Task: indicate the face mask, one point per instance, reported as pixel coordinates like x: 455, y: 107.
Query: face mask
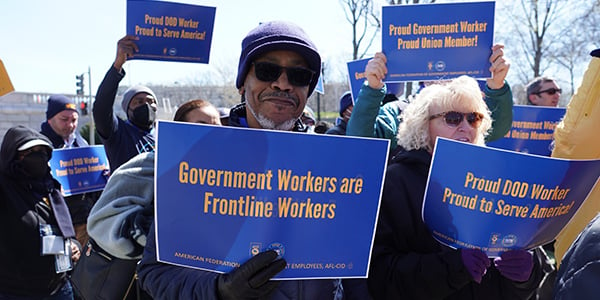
x: 35, y: 164
x: 143, y: 116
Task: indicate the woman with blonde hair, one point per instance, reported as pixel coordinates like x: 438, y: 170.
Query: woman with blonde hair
x: 407, y: 262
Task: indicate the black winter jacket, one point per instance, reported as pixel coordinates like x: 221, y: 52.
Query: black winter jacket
x: 122, y: 140
x: 23, y: 270
x: 579, y: 272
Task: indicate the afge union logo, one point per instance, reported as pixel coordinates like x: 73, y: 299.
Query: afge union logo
x: 440, y: 65
x: 509, y: 240
x: 255, y: 248
x: 494, y: 239
x: 278, y: 247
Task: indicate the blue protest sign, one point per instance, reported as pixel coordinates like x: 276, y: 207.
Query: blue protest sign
x: 437, y: 41
x: 356, y: 78
x: 224, y: 194
x: 497, y: 200
x: 356, y: 75
x: 319, y: 88
x: 80, y: 170
x: 532, y: 130
x: 171, y: 31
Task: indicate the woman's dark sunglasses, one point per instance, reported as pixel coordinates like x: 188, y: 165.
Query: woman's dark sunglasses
x: 454, y: 118
x: 550, y: 91
x: 269, y: 72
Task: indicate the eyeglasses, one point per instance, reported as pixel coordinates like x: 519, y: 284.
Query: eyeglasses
x: 550, y: 91
x: 269, y: 72
x: 454, y: 118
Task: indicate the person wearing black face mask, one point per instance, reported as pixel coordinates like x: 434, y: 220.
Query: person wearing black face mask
x: 124, y: 139
x: 37, y: 244
x: 34, y: 162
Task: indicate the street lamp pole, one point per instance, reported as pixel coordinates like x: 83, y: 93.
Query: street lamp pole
x: 91, y: 102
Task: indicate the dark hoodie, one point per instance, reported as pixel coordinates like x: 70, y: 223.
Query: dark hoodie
x: 24, y: 205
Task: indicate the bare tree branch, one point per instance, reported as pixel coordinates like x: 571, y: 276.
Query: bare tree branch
x: 364, y: 22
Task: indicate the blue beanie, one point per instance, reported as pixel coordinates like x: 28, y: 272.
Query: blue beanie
x: 131, y: 92
x: 396, y: 88
x: 273, y: 36
x: 345, y: 102
x: 58, y: 103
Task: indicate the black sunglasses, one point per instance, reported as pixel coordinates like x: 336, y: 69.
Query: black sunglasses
x: 454, y: 118
x: 550, y: 91
x: 269, y: 72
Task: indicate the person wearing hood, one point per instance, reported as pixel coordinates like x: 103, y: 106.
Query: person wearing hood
x: 124, y: 139
x: 37, y: 244
x: 60, y: 127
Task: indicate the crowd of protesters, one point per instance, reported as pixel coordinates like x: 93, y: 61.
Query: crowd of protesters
x: 44, y: 232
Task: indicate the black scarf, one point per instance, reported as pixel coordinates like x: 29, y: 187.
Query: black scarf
x: 49, y: 188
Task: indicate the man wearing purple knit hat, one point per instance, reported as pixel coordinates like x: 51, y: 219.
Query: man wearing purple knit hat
x: 278, y: 70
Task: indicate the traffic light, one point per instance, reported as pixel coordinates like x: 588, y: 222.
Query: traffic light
x: 83, y: 108
x: 79, y: 84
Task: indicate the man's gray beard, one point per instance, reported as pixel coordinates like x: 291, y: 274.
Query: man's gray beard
x: 269, y: 124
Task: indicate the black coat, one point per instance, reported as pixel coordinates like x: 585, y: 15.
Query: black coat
x: 579, y: 273
x: 24, y: 205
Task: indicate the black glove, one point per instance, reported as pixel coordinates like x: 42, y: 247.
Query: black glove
x: 595, y: 53
x: 251, y: 279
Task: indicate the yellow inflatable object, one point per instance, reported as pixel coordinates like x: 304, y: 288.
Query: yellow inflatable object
x: 577, y: 137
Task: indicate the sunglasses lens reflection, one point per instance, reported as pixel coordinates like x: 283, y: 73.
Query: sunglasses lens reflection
x: 454, y: 118
x: 270, y: 72
x: 551, y: 91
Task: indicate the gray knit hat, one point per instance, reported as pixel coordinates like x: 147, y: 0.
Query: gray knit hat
x: 131, y: 92
x: 273, y: 36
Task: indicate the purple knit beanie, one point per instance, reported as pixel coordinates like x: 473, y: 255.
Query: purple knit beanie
x: 273, y: 36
